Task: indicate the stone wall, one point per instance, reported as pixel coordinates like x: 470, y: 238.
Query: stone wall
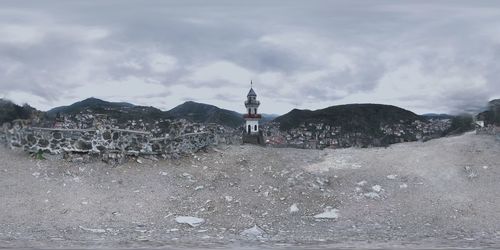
x: 107, y: 142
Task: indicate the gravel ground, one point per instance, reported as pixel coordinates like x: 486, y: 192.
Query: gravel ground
x: 442, y: 193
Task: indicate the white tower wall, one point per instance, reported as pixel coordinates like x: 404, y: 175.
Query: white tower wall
x: 254, y: 126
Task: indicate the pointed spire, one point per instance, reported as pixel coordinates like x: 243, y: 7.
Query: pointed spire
x: 251, y: 92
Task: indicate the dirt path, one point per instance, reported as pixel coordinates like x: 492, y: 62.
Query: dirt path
x: 440, y: 193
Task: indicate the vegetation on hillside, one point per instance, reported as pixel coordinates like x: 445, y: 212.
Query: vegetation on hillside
x: 204, y: 113
x: 121, y: 111
x: 365, y: 118
x: 10, y: 111
x: 460, y: 124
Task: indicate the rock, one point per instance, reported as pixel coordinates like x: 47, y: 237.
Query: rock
x: 362, y: 183
x: 471, y: 173
x: 372, y: 195
x: 254, y: 232
x: 403, y: 186
x: 106, y: 135
x: 93, y: 230
x: 77, y: 160
x: 198, y: 188
x: 329, y: 213
x: 57, y: 135
x: 392, y: 176
x: 377, y: 188
x: 228, y: 198
x: 192, y: 221
x: 83, y: 145
x: 293, y: 208
x: 43, y: 143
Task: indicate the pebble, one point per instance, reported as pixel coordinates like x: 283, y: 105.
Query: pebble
x: 293, y: 208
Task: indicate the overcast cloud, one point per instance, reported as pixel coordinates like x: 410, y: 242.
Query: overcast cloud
x: 425, y: 56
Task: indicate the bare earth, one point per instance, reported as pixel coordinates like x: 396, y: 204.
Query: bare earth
x: 442, y: 193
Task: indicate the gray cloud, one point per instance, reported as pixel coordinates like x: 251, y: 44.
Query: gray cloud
x: 426, y: 56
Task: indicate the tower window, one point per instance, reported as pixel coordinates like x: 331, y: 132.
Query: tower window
x: 255, y: 128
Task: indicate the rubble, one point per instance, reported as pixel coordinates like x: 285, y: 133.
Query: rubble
x: 189, y: 220
x: 93, y: 230
x: 253, y: 232
x: 329, y: 213
x: 273, y: 197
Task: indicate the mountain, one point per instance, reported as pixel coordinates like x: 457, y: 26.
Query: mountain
x: 122, y: 111
x: 492, y: 114
x: 10, y: 111
x: 205, y: 113
x: 364, y: 118
x: 267, y: 118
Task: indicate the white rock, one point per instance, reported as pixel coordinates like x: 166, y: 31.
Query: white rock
x: 329, y: 213
x: 139, y: 161
x: 163, y: 173
x: 198, y: 188
x: 377, y: 188
x: 192, y: 221
x: 294, y: 208
x: 361, y: 183
x: 254, y: 231
x: 404, y: 185
x: 392, y: 176
x: 36, y: 174
x: 93, y: 230
x: 228, y: 198
x: 372, y: 195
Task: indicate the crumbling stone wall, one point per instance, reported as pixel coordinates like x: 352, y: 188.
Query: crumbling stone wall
x: 107, y: 142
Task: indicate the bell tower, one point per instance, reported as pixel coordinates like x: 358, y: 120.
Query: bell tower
x: 252, y: 117
x: 252, y: 132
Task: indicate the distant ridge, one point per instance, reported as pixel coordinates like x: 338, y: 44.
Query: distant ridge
x: 364, y: 118
x: 353, y: 117
x: 205, y: 113
x: 122, y: 111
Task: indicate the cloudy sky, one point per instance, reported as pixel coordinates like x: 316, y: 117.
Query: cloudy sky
x: 425, y: 56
